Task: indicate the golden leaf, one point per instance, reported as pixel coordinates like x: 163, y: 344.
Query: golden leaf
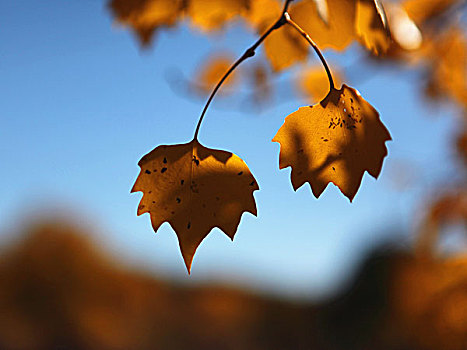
x: 213, y: 14
x: 448, y: 73
x: 194, y: 189
x: 285, y: 47
x: 371, y: 26
x: 346, y: 20
x: 421, y: 11
x: 146, y: 16
x: 337, y: 33
x: 263, y: 13
x: 336, y: 141
x: 313, y: 82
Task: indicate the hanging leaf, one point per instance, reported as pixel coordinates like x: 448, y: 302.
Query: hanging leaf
x: 336, y: 141
x: 194, y: 189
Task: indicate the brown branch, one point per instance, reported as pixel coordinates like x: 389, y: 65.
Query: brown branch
x: 313, y: 45
x: 250, y: 52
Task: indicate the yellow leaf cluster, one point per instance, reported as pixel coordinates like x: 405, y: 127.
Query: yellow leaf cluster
x: 347, y: 20
x: 331, y: 23
x: 194, y: 189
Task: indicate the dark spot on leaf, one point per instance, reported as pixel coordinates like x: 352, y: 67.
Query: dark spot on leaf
x: 182, y: 182
x: 163, y: 170
x: 141, y: 206
x: 333, y: 168
x: 252, y: 183
x: 178, y: 200
x: 195, y: 160
x: 155, y: 170
x: 189, y: 225
x: 148, y: 171
x: 172, y: 212
x: 150, y: 192
x: 240, y: 173
x: 217, y: 198
x: 153, y: 202
x: 325, y: 140
x: 165, y: 160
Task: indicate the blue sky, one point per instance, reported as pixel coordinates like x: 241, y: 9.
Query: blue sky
x: 81, y: 103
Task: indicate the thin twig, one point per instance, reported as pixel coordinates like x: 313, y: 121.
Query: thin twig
x: 313, y: 45
x: 250, y: 52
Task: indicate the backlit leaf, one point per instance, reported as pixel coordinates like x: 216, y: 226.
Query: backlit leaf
x: 285, y: 47
x: 194, y: 189
x: 423, y: 10
x: 146, y: 16
x: 372, y: 27
x: 340, y: 29
x: 336, y: 141
x: 448, y: 74
x: 263, y: 13
x: 213, y: 14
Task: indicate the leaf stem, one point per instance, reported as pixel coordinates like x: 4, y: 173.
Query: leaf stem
x: 250, y: 52
x: 313, y: 45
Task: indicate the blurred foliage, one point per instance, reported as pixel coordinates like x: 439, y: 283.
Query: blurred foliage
x: 59, y: 291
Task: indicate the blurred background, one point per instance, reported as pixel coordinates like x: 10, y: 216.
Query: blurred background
x: 87, y: 88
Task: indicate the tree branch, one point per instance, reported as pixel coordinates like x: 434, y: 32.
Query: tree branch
x: 313, y: 45
x: 250, y: 52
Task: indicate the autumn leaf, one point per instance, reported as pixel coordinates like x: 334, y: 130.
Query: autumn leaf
x: 447, y: 76
x: 332, y: 24
x: 262, y: 13
x: 284, y: 48
x: 421, y: 11
x: 146, y: 16
x: 371, y: 26
x: 194, y: 189
x: 336, y: 141
x: 338, y: 32
x: 213, y: 14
